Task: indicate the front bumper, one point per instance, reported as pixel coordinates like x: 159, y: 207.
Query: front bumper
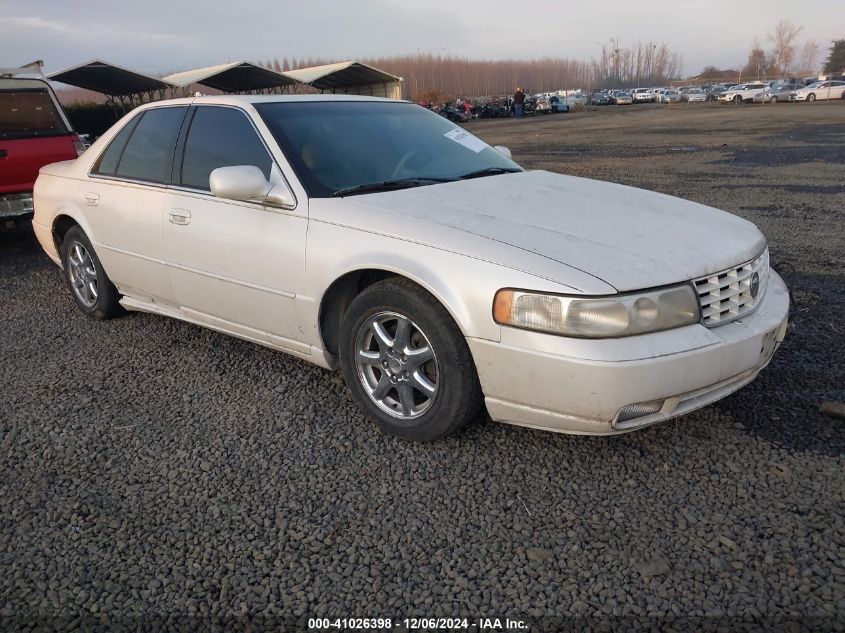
x: 579, y: 385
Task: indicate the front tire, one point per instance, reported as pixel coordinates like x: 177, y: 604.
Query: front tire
x: 811, y: 97
x: 407, y: 363
x: 91, y: 289
x: 737, y: 100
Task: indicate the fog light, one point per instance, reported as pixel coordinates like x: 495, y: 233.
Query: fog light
x: 638, y: 410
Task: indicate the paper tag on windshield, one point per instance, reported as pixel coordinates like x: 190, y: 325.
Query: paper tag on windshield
x: 466, y: 139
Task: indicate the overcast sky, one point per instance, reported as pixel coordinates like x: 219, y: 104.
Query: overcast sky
x: 158, y: 36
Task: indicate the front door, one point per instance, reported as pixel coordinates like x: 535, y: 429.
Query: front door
x: 233, y: 265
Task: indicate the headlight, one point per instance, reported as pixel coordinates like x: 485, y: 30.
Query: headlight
x: 597, y: 317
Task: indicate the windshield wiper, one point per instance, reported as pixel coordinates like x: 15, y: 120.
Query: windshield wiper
x: 490, y: 171
x: 388, y: 185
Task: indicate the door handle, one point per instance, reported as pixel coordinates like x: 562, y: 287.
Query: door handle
x: 92, y: 199
x: 180, y: 216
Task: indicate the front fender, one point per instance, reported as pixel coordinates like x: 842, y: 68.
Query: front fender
x: 464, y: 285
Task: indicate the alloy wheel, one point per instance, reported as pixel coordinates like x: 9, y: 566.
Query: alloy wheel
x: 396, y: 365
x: 82, y: 274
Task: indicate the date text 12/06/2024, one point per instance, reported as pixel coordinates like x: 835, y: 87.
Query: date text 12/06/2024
x: 415, y: 624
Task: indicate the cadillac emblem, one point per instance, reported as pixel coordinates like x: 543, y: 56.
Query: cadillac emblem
x: 755, y: 285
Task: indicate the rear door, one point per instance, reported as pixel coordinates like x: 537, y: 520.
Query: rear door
x: 233, y: 265
x: 33, y: 133
x: 124, y: 202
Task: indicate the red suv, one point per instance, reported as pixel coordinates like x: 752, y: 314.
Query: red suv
x: 33, y: 132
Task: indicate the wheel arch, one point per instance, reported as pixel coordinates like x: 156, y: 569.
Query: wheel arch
x: 62, y: 222
x: 347, y: 285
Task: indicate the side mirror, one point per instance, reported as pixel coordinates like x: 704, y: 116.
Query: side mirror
x: 247, y: 183
x: 504, y: 151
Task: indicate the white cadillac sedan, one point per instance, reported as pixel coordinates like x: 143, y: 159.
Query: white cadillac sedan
x: 439, y: 276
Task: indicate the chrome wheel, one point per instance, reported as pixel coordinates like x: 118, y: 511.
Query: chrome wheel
x: 82, y: 274
x: 397, y: 365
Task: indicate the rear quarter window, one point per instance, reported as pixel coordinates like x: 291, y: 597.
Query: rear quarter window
x: 106, y: 164
x: 29, y: 113
x: 148, y: 155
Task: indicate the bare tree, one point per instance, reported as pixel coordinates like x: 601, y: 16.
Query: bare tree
x: 757, y: 63
x: 783, y: 49
x: 809, y: 56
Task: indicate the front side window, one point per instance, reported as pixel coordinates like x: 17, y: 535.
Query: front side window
x: 337, y: 145
x: 220, y: 137
x: 148, y: 155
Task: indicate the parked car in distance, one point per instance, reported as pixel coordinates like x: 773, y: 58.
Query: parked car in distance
x: 819, y: 91
x: 714, y: 92
x: 695, y: 95
x: 777, y: 93
x: 600, y: 98
x: 559, y: 104
x: 551, y: 104
x: 742, y: 93
x: 670, y: 96
x: 34, y: 131
x: 377, y: 237
x: 642, y: 95
x: 622, y: 97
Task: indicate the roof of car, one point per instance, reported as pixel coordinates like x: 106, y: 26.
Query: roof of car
x: 14, y: 83
x: 253, y: 99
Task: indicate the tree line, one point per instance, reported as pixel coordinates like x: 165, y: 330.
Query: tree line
x: 431, y: 78
x: 780, y: 54
x: 437, y: 78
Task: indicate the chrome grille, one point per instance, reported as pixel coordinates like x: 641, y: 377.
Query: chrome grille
x: 727, y: 295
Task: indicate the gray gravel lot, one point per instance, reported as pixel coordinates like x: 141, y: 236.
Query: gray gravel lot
x: 153, y: 467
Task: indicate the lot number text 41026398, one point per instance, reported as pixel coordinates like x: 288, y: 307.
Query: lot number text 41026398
x: 415, y: 624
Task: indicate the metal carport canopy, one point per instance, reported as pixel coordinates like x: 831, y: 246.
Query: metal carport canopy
x: 232, y: 77
x: 108, y: 79
x: 342, y: 75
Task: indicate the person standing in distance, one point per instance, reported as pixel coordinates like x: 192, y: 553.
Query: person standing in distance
x: 519, y: 103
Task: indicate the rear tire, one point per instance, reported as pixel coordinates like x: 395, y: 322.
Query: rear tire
x: 407, y: 363
x: 91, y: 289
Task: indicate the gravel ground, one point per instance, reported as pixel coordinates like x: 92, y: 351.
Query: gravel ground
x: 150, y: 467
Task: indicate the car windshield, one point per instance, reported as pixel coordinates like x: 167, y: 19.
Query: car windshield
x: 337, y: 146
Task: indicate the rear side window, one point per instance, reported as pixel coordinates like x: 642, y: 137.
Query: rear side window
x: 27, y: 113
x: 106, y: 165
x: 220, y: 137
x: 149, y: 153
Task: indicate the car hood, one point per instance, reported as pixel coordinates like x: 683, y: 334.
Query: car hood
x: 629, y: 238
